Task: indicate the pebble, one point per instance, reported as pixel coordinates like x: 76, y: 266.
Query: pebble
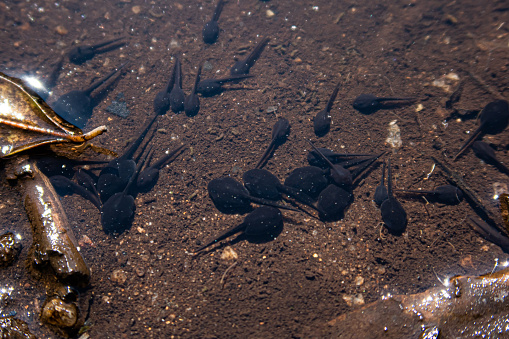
x: 229, y: 254
x: 140, y: 272
x: 270, y: 13
x: 354, y: 300
x: 359, y: 280
x: 61, y: 30
x: 136, y: 9
x: 118, y: 276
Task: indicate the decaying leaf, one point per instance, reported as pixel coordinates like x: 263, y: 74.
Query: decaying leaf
x: 26, y: 121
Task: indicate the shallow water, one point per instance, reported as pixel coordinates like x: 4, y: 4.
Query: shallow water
x: 144, y: 282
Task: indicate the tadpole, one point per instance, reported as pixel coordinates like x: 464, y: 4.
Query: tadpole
x: 493, y: 119
x: 486, y: 153
x: 177, y: 96
x: 369, y: 103
x: 243, y: 66
x: 381, y: 193
x: 445, y: 194
x: 280, y: 132
x: 162, y: 99
x: 264, y: 221
x: 80, y: 54
x: 76, y: 106
x: 211, y: 87
x: 149, y: 176
x: 192, y: 102
x: 310, y: 180
x: 230, y: 197
x: 339, y: 175
x: 393, y: 213
x: 210, y: 31
x: 64, y: 185
x: 322, y: 120
x: 332, y: 202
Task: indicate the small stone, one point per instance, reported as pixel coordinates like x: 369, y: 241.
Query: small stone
x: 354, y: 300
x: 270, y: 13
x: 61, y: 30
x: 59, y: 313
x: 9, y: 248
x: 229, y: 254
x: 140, y: 272
x: 118, y: 276
x: 136, y: 9
x: 298, y: 60
x: 419, y: 108
x: 359, y: 280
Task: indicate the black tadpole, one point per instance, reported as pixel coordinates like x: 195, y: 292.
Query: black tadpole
x: 393, y: 213
x: 149, y: 176
x: 280, y: 132
x: 339, y: 175
x: 310, y: 180
x: 211, y: 87
x: 381, y: 193
x: 486, y: 153
x: 243, y: 66
x: 162, y: 99
x: 322, y: 120
x: 332, y: 202
x: 76, y: 106
x: 369, y: 103
x: 63, y: 185
x: 262, y: 222
x: 445, y: 194
x: 230, y: 196
x: 192, y: 102
x: 494, y: 119
x: 80, y: 54
x: 490, y: 233
x: 210, y: 31
x: 177, y: 96
x: 345, y: 159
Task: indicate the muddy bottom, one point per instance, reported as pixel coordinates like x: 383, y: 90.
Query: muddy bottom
x: 144, y: 281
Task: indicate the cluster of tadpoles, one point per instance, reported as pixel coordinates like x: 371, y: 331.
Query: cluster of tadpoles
x: 325, y: 186
x: 173, y: 97
x: 119, y: 181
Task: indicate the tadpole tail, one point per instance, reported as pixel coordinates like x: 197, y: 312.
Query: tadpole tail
x: 222, y: 236
x: 468, y: 142
x: 136, y: 143
x: 267, y: 154
x: 416, y: 191
x: 365, y: 164
x: 104, y: 43
x: 219, y: 9
x: 265, y: 202
x: 197, y: 79
x: 333, y: 97
x: 257, y: 51
x: 320, y: 154
x: 382, y: 181
x: 167, y: 158
x: 101, y: 81
x: 299, y: 196
x: 235, y: 78
x: 490, y: 233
